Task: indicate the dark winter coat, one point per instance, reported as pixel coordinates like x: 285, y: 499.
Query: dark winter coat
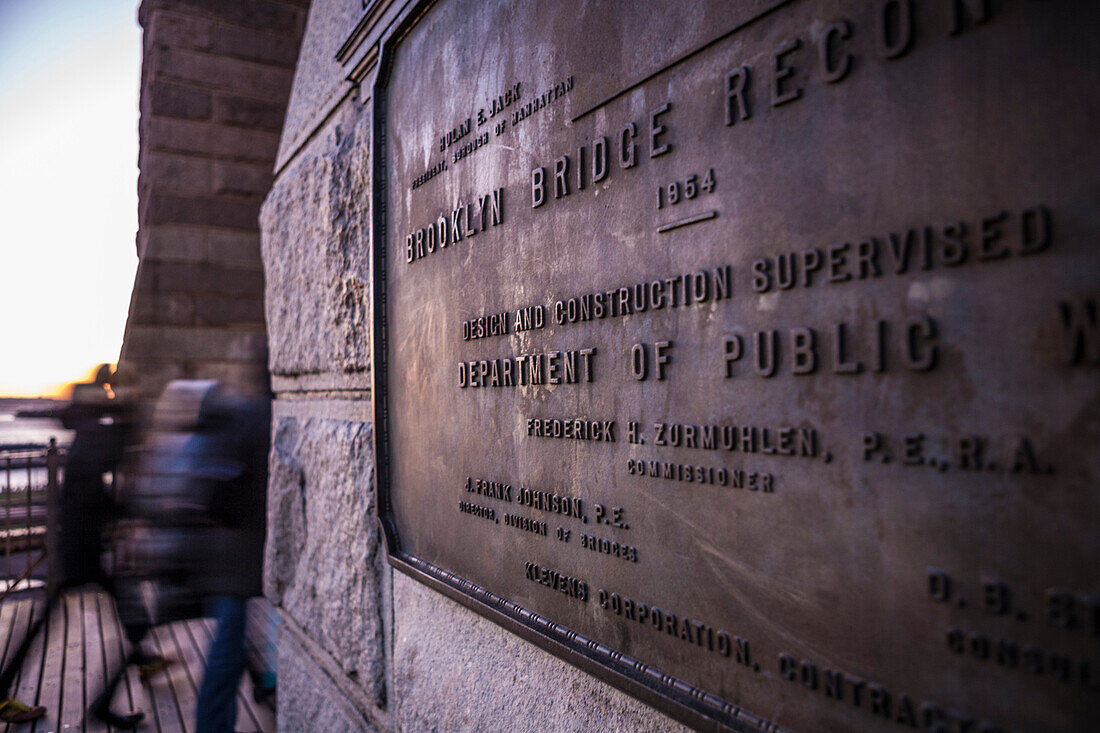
x: 85, y: 504
x: 234, y: 482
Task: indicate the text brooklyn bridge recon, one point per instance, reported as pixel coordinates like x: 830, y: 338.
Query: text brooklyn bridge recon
x: 864, y: 319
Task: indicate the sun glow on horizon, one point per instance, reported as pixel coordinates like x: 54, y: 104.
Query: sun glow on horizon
x: 69, y: 74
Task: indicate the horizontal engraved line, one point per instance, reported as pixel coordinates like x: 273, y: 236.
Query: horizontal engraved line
x: 599, y: 652
x: 684, y: 222
x: 680, y: 59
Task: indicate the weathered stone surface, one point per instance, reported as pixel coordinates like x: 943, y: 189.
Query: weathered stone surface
x: 191, y: 244
x: 237, y: 374
x: 149, y: 378
x: 323, y: 565
x: 245, y: 179
x: 163, y: 308
x: 256, y: 46
x: 455, y: 670
x: 308, y: 699
x: 319, y: 80
x: 181, y: 31
x: 315, y: 235
x: 204, y: 277
x: 215, y: 82
x: 263, y: 16
x: 249, y: 113
x: 177, y: 100
x: 183, y: 174
x: 220, y: 72
x: 208, y: 138
x: 164, y: 208
x: 213, y: 310
x: 196, y: 344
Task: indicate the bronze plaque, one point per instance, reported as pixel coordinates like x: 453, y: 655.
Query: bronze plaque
x: 746, y: 354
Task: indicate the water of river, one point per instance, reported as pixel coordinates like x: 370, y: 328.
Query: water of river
x: 18, y: 430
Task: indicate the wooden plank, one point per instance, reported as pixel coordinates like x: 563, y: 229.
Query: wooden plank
x: 257, y: 712
x: 190, y: 666
x: 247, y: 720
x: 48, y: 684
x: 263, y: 623
x: 7, y: 622
x: 9, y: 638
x: 50, y: 679
x: 251, y: 716
x: 163, y: 696
x: 130, y: 695
x: 263, y: 712
x: 183, y: 692
x: 95, y: 663
x: 71, y: 705
x: 261, y: 619
x: 160, y: 712
x: 113, y: 654
x: 23, y: 616
x: 192, y: 663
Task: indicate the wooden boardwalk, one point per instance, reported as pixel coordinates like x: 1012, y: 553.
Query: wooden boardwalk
x: 83, y: 643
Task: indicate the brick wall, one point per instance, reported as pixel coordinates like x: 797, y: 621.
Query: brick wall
x: 215, y: 79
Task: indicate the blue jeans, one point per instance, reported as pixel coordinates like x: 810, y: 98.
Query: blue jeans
x: 217, y: 707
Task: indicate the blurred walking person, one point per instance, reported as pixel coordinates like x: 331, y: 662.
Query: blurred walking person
x: 234, y: 474
x: 102, y: 428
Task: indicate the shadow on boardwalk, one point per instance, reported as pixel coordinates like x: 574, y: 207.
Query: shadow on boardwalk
x: 83, y: 643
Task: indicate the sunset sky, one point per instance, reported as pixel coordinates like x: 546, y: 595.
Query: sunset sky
x: 69, y: 72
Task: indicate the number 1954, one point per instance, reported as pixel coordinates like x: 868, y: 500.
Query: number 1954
x: 688, y: 188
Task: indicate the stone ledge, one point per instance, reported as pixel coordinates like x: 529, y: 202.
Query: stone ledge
x: 292, y: 146
x: 322, y: 382
x: 456, y: 670
x: 320, y: 83
x: 354, y: 408
x: 320, y: 696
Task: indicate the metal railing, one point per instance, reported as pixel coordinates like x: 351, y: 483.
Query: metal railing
x: 29, y: 495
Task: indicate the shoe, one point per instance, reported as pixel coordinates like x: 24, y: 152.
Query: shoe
x: 262, y: 693
x: 125, y: 721
x: 14, y: 711
x: 151, y: 664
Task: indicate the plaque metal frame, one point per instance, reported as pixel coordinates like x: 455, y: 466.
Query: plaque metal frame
x: 692, y: 705
x: 688, y: 704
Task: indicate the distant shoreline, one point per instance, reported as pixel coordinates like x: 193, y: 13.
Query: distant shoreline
x: 27, y: 424
x: 54, y: 413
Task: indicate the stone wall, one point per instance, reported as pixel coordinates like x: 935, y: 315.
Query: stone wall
x: 214, y: 88
x: 362, y: 647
